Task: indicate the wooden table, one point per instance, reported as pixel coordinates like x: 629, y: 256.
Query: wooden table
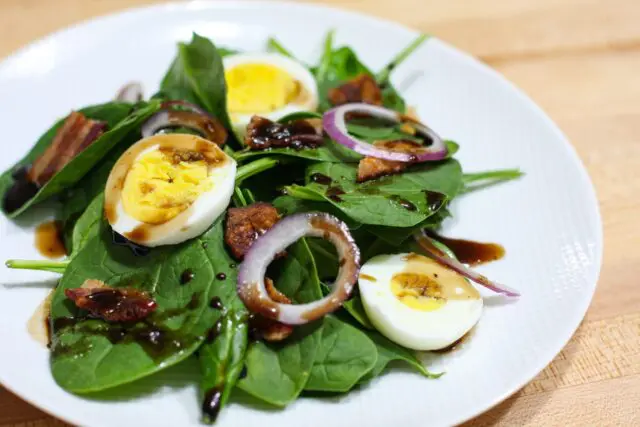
x: 580, y: 60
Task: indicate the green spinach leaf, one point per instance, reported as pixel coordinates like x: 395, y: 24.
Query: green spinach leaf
x: 75, y: 200
x: 117, y: 117
x: 403, y: 200
x: 341, y: 65
x: 197, y: 75
x: 91, y: 355
x: 355, y: 308
x: 395, y: 237
x: 87, y: 226
x: 337, y: 66
x: 222, y: 361
x: 344, y: 356
x: 330, y: 151
x: 277, y: 372
x: 274, y: 45
x: 388, y: 352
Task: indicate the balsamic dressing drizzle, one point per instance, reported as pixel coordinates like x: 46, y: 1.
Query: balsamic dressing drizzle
x: 211, y: 403
x: 216, y: 303
x: 138, y: 250
x: 20, y: 192
x: 470, y: 252
x: 334, y: 193
x: 187, y: 276
x: 321, y: 179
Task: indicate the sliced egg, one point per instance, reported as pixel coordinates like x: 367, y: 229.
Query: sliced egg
x: 416, y: 302
x: 168, y: 188
x: 269, y: 85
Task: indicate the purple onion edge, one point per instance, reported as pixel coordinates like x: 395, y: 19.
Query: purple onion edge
x: 366, y: 149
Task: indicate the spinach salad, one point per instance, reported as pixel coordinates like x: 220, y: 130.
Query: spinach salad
x: 274, y: 219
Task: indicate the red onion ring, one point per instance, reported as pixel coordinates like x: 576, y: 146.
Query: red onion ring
x: 425, y: 243
x: 335, y: 126
x: 206, y: 125
x: 131, y: 92
x: 251, y: 286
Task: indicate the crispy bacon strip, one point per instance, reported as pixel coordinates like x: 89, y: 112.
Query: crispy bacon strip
x: 76, y: 134
x: 363, y: 88
x: 263, y: 133
x: 245, y: 225
x: 370, y: 167
x: 113, y: 304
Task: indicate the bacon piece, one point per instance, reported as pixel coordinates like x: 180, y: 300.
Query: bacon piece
x: 363, y: 88
x: 263, y: 133
x: 267, y: 329
x: 245, y: 225
x: 372, y: 167
x: 113, y: 304
x: 76, y: 133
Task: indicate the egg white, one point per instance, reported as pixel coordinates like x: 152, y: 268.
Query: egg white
x: 292, y: 67
x: 191, y: 223
x: 412, y: 328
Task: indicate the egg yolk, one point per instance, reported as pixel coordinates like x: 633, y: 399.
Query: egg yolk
x: 417, y: 291
x: 259, y: 88
x: 160, y: 185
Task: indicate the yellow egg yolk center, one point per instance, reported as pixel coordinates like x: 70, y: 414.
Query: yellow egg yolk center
x: 418, y: 291
x: 161, y: 184
x: 259, y: 88
x: 426, y: 286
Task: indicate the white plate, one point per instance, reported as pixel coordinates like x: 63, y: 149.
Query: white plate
x: 548, y: 221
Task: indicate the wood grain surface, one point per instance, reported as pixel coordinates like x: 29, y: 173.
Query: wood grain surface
x: 579, y: 60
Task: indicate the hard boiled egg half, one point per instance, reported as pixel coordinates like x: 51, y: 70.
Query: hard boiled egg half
x: 416, y: 302
x: 168, y: 188
x: 268, y: 85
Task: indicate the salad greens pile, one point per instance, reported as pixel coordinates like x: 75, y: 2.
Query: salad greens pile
x: 199, y: 313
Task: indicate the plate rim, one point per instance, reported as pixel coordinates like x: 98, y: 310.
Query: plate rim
x: 523, y: 97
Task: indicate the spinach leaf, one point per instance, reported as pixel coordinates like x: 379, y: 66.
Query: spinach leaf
x: 299, y: 115
x: 114, y: 114
x: 395, y: 236
x: 91, y: 355
x: 344, y: 356
x: 274, y: 45
x: 88, y: 225
x: 75, y: 200
x: 355, y: 308
x: 325, y: 62
x: 277, y: 372
x: 336, y: 67
x: 388, y: 352
x: 330, y: 151
x: 481, y: 180
x: 197, y: 75
x: 326, y: 258
x: 402, y: 200
x: 222, y: 361
x: 341, y: 65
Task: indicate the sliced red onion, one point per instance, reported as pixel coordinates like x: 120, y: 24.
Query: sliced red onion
x: 251, y: 276
x: 425, y: 243
x: 186, y: 105
x: 204, y: 124
x: 131, y: 92
x: 335, y: 125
